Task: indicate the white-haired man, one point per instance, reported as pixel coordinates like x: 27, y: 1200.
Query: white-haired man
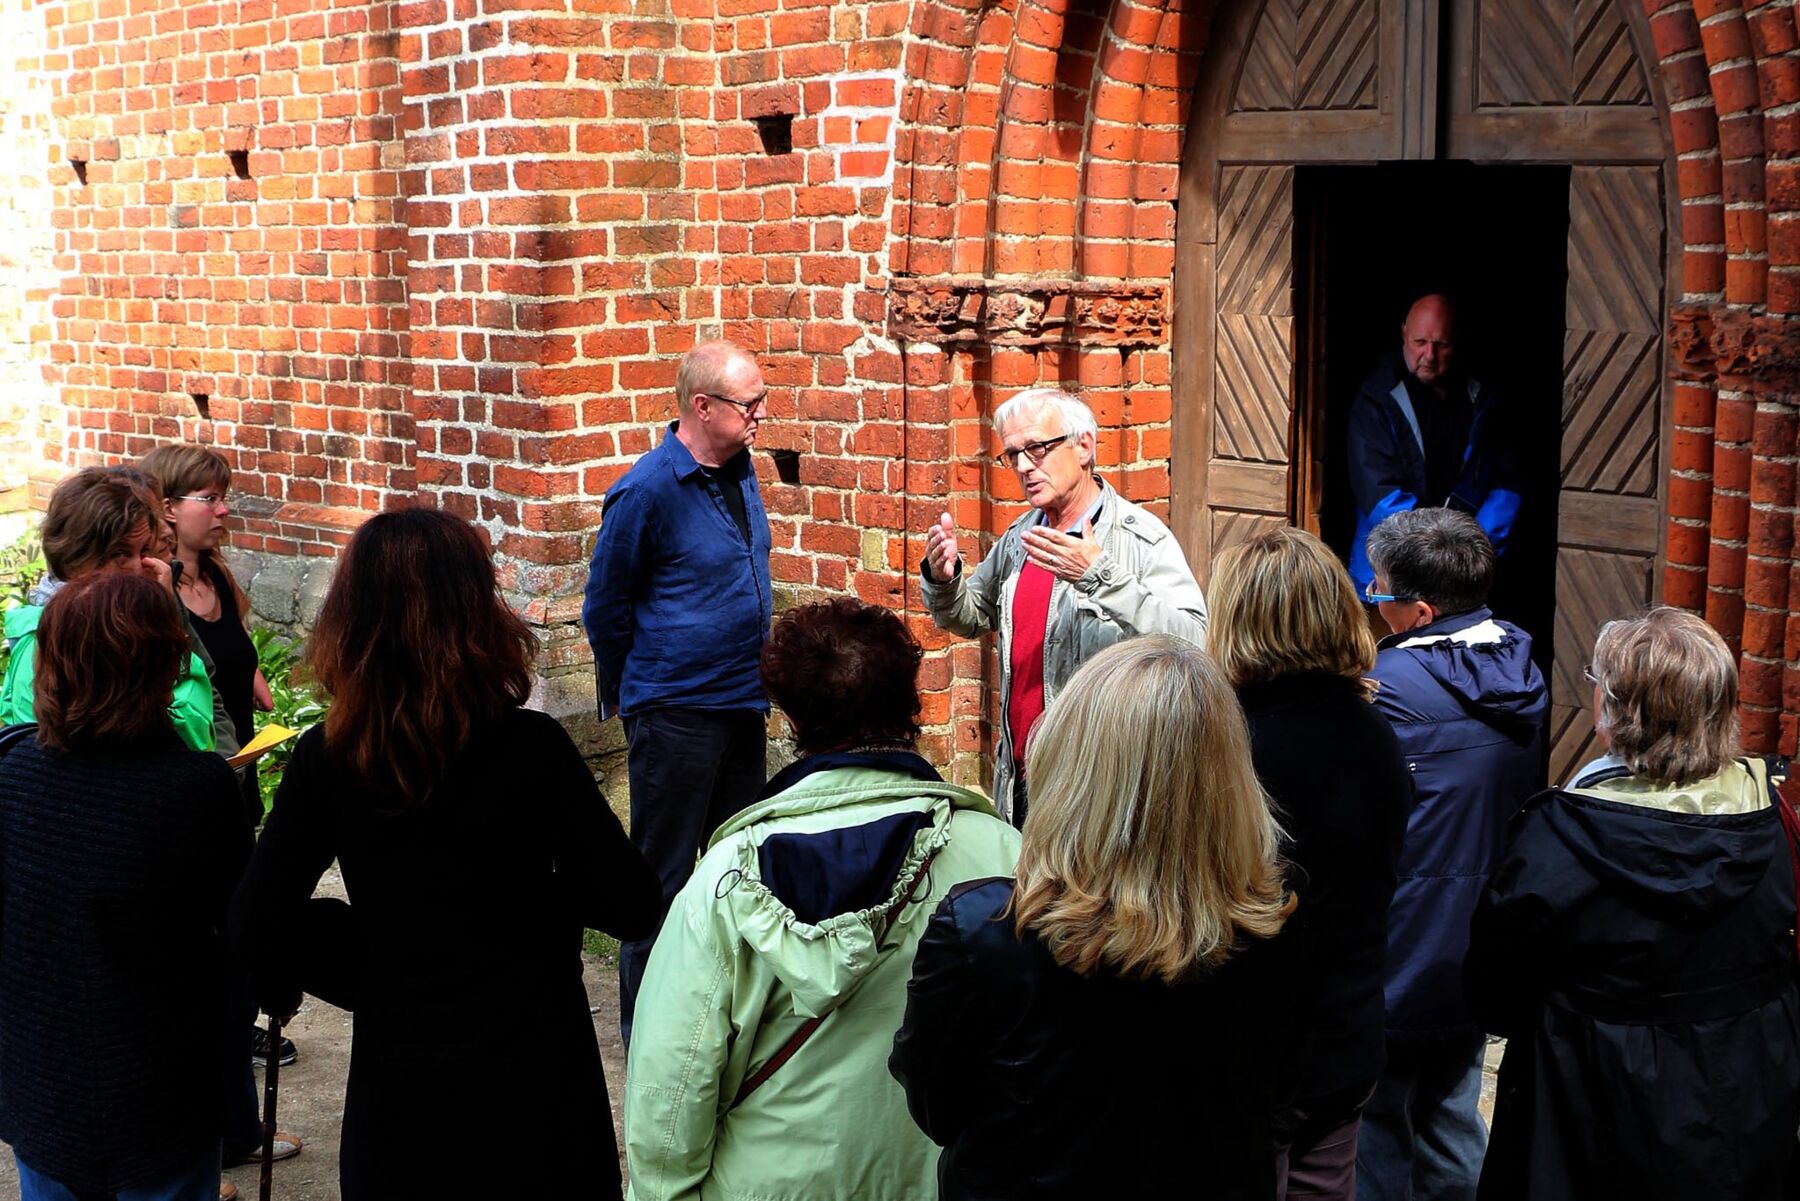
x: 1085, y: 568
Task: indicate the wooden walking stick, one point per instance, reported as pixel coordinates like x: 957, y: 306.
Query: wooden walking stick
x: 271, y: 1076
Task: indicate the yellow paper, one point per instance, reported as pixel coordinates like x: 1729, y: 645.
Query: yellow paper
x: 266, y: 738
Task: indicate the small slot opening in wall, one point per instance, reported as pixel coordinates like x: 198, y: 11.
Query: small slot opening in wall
x: 202, y: 404
x: 776, y: 132
x: 240, y: 163
x: 787, y: 465
x: 79, y: 166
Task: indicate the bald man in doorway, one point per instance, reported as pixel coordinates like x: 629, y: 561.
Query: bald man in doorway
x: 1426, y: 434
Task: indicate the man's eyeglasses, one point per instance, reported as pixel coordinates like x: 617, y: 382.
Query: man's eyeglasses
x: 1035, y: 451
x: 748, y: 406
x: 1382, y: 598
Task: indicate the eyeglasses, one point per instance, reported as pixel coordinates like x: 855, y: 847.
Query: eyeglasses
x: 208, y: 499
x: 1382, y: 598
x: 748, y: 406
x: 1035, y: 451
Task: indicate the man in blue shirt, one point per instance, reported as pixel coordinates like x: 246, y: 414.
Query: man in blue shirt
x: 677, y: 609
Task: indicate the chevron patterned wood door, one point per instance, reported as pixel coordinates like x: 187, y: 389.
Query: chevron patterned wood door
x: 1253, y: 360
x: 1609, y: 512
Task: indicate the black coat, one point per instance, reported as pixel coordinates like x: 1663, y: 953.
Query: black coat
x: 1641, y: 963
x: 1340, y: 783
x: 115, y: 869
x: 1041, y: 1083
x: 460, y: 952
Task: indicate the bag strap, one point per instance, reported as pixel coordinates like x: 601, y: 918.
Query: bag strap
x: 1790, y: 825
x: 810, y: 1026
x: 11, y: 736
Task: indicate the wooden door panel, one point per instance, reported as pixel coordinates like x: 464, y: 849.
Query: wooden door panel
x: 1250, y: 434
x: 1312, y: 54
x: 1609, y: 518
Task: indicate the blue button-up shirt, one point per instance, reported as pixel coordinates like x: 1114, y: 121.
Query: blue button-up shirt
x: 678, y: 604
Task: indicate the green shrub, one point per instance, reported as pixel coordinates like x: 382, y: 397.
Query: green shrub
x: 297, y: 706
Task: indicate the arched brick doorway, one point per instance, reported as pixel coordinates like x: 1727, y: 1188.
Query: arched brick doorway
x: 1288, y: 85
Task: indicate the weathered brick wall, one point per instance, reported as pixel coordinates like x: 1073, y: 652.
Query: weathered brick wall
x: 27, y: 239
x: 231, y: 250
x: 478, y: 234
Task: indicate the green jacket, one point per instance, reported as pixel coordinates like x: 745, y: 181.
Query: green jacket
x: 736, y: 971
x: 191, y: 710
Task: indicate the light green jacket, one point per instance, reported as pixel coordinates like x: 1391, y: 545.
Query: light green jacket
x: 735, y: 973
x: 191, y: 709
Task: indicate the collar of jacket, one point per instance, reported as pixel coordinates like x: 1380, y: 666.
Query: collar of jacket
x: 1457, y: 627
x: 1263, y: 695
x: 909, y: 763
x: 1741, y: 786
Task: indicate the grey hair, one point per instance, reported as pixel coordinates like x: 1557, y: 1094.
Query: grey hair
x: 703, y: 368
x: 1078, y: 419
x: 1668, y: 694
x: 1439, y: 556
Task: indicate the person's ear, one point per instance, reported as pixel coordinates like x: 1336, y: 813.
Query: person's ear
x: 1091, y: 445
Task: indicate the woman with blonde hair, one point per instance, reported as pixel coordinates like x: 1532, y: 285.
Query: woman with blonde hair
x: 1636, y: 947
x: 1289, y: 632
x: 1129, y: 958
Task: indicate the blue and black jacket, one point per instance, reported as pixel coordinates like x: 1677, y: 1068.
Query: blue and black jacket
x: 1468, y: 706
x: 1387, y: 463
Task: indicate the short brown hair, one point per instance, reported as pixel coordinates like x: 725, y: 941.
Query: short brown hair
x: 417, y: 649
x: 1668, y: 694
x: 92, y: 516
x: 845, y: 673
x: 110, y: 647
x: 1282, y: 603
x: 179, y: 468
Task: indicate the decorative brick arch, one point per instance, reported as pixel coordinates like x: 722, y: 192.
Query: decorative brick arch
x: 1034, y: 241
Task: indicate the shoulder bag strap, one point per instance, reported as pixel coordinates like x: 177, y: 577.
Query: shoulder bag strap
x: 1790, y: 825
x: 810, y: 1026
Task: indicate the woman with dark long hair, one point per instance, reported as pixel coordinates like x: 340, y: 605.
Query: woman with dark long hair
x: 119, y: 848
x: 475, y: 847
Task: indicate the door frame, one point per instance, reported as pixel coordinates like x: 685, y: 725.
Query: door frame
x: 1405, y: 125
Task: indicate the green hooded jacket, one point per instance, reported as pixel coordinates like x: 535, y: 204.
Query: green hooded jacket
x: 736, y: 972
x: 191, y: 710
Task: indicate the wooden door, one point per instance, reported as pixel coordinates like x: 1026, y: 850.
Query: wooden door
x: 1253, y: 355
x: 1609, y: 517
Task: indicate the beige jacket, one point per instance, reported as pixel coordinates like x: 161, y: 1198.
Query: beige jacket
x: 1141, y: 584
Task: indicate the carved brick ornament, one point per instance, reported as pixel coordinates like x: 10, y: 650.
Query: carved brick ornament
x: 1004, y: 313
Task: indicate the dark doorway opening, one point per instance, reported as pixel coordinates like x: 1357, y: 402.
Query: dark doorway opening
x: 1370, y: 241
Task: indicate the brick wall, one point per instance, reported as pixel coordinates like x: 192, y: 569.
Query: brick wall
x: 476, y: 236
x: 27, y: 238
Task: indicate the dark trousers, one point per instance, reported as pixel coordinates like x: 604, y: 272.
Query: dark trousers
x: 1316, y: 1148
x: 690, y: 769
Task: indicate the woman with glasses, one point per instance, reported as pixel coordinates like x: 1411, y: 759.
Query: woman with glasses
x: 194, y: 481
x: 1636, y: 946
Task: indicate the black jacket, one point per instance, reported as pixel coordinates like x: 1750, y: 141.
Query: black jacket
x: 460, y: 951
x: 1041, y: 1083
x: 1640, y: 959
x: 1334, y: 768
x: 115, y: 868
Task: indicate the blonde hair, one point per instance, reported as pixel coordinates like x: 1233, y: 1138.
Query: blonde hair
x: 1668, y: 695
x: 1149, y: 847
x: 1282, y: 603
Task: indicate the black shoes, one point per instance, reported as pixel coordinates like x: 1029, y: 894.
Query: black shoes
x: 259, y: 1048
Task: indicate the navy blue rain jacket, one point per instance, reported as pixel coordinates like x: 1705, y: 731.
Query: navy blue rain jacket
x: 1387, y: 463
x: 1468, y: 706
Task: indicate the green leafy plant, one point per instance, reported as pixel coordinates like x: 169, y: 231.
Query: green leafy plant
x: 21, y: 567
x: 297, y: 706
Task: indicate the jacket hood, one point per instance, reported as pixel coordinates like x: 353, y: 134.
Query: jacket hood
x: 22, y: 620
x: 1485, y: 664
x: 818, y: 868
x: 1680, y: 851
